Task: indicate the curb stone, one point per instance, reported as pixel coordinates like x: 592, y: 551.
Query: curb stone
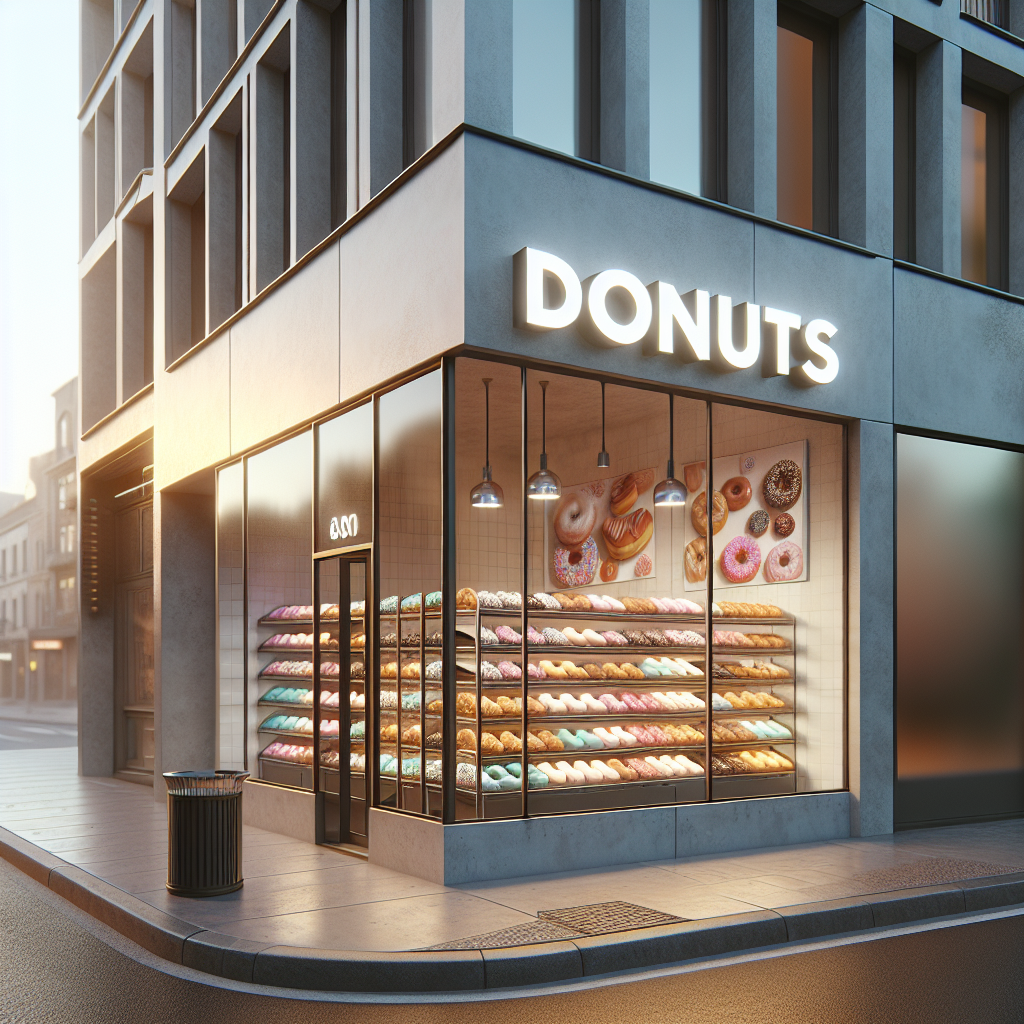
x: 330, y: 970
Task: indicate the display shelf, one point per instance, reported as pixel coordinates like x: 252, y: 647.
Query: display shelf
x: 753, y: 652
x: 305, y: 651
x: 566, y: 615
x: 290, y: 704
x: 589, y: 753
x: 611, y: 652
x: 535, y: 722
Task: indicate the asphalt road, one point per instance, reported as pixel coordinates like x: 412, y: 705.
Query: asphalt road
x: 52, y: 969
x: 18, y: 735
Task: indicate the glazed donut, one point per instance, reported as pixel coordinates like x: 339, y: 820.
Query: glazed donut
x: 575, y: 518
x: 693, y: 475
x: 696, y: 560
x: 737, y: 492
x: 576, y: 568
x: 609, y: 570
x: 741, y: 558
x: 785, y: 562
x: 782, y: 485
x: 785, y: 524
x: 626, y: 536
x: 758, y: 523
x: 624, y: 495
x: 699, y: 513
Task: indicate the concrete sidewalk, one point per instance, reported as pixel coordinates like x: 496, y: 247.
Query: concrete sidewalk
x: 311, y: 917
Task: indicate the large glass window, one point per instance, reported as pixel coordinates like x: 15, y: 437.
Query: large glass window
x: 231, y: 617
x: 983, y: 176
x: 544, y: 72
x: 806, y: 115
x: 675, y: 91
x: 959, y: 653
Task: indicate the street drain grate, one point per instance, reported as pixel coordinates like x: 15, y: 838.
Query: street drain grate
x: 517, y: 935
x: 602, y: 918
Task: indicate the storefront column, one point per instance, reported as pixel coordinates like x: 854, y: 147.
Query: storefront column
x: 871, y: 635
x: 184, y: 626
x: 752, y: 33
x: 488, y: 63
x: 625, y: 87
x: 865, y: 129
x: 937, y: 199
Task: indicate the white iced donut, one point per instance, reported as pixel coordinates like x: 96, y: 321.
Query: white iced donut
x: 662, y: 769
x: 615, y: 605
x: 555, y: 707
x: 691, y: 766
x: 594, y: 706
x: 676, y: 769
x: 573, y: 704
x: 606, y: 737
x: 553, y: 774
x: 574, y: 637
x: 592, y: 774
x: 594, y: 638
x: 625, y: 738
x: 572, y: 775
x: 610, y: 774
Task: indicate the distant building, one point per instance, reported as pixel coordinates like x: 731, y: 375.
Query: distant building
x: 39, y: 572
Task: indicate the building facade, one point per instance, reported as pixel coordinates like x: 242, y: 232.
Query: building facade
x: 39, y: 575
x: 337, y: 256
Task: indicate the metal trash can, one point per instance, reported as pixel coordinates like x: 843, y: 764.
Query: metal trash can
x: 204, y: 832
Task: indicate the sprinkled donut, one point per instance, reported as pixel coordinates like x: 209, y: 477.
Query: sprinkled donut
x: 759, y: 522
x: 643, y: 566
x: 580, y: 572
x: 741, y: 558
x: 737, y: 493
x: 785, y: 524
x: 783, y: 484
x: 785, y: 562
x: 575, y: 519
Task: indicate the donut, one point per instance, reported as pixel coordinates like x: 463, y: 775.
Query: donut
x: 693, y: 475
x: 782, y: 485
x: 785, y: 562
x: 759, y: 522
x: 576, y: 568
x: 626, y: 536
x: 785, y: 524
x: 699, y: 513
x: 609, y: 570
x: 696, y: 560
x: 624, y: 494
x: 575, y: 518
x: 737, y: 492
x: 741, y: 558
x: 643, y: 566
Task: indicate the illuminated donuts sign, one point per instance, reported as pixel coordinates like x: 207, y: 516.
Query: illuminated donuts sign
x: 617, y: 308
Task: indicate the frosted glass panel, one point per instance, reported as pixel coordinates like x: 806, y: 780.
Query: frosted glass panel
x: 960, y: 605
x: 544, y: 72
x: 675, y: 93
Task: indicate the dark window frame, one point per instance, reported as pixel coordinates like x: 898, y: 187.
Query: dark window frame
x: 823, y: 33
x: 588, y: 80
x: 904, y: 155
x: 714, y: 100
x: 995, y: 106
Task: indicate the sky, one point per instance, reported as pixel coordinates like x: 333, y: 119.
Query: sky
x: 38, y: 224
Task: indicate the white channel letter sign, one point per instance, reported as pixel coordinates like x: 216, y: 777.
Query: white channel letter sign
x: 696, y: 327
x: 343, y: 527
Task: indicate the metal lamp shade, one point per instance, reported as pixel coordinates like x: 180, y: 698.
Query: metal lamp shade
x: 487, y: 494
x: 670, y: 492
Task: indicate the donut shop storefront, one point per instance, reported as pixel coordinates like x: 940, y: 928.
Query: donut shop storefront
x: 676, y: 678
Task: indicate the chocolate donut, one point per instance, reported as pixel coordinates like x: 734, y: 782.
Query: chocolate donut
x: 759, y: 522
x: 785, y: 524
x: 783, y: 484
x: 737, y: 492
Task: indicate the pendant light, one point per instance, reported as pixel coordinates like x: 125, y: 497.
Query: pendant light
x: 487, y: 494
x: 670, y: 491
x: 544, y: 485
x: 603, y: 458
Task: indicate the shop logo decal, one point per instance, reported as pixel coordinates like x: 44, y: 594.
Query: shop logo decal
x: 343, y: 527
x: 695, y: 327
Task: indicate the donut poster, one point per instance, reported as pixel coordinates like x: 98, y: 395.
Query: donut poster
x: 602, y: 532
x: 758, y: 517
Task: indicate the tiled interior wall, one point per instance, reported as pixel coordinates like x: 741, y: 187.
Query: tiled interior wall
x: 636, y: 438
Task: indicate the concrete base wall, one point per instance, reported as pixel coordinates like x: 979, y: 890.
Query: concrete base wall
x: 289, y: 812
x: 517, y: 847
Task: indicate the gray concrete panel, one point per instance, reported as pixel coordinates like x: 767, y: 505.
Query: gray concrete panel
x: 284, y: 354
x: 193, y: 413
x: 625, y: 94
x: 595, y: 222
x: 402, y: 277
x: 871, y: 637
x: 942, y: 327
x: 488, y: 69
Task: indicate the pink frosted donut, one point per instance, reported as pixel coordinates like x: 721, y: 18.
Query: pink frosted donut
x: 741, y: 558
x: 632, y: 701
x: 785, y: 562
x: 576, y: 568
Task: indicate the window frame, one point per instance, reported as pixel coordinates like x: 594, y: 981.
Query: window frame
x: 904, y: 155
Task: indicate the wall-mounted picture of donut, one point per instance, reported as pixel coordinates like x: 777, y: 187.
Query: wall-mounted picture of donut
x: 603, y: 532
x: 759, y: 519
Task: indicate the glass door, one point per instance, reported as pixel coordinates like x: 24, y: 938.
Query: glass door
x: 339, y: 649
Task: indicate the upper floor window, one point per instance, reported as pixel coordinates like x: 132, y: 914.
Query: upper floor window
x: 806, y: 116
x: 983, y: 187
x: 14, y: 560
x: 64, y: 432
x: 904, y: 154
